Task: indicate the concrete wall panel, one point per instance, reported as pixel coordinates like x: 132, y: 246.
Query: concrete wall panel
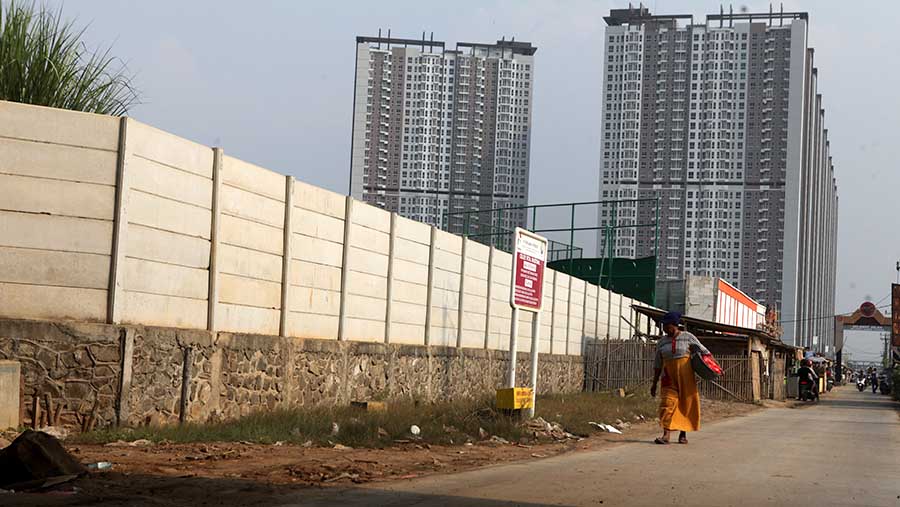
x: 371, y: 217
x: 408, y: 292
x: 61, y: 269
x: 248, y: 319
x: 52, y: 232
x: 561, y: 314
x: 54, y: 197
x: 56, y: 126
x: 408, y: 313
x: 319, y: 200
x: 249, y: 292
x: 252, y: 207
x: 364, y: 307
x: 372, y: 240
x: 168, y: 149
x: 314, y: 301
x: 317, y: 251
x: 411, y: 251
x: 165, y: 279
x: 19, y: 301
x: 252, y: 235
x: 576, y: 316
x: 153, y: 244
x: 363, y: 261
x: 413, y: 231
x: 305, y: 325
x: 239, y: 261
x: 168, y: 311
x: 365, y: 284
x: 318, y: 225
x: 252, y: 178
x: 306, y: 274
x: 155, y: 178
x: 413, y: 272
x: 365, y: 330
x: 407, y: 334
x: 58, y: 162
x: 168, y: 215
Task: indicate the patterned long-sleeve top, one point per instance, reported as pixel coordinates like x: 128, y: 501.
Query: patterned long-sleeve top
x: 684, y: 344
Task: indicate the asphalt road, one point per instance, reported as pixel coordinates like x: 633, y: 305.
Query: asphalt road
x: 843, y: 451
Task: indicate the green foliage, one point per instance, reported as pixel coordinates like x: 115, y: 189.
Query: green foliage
x: 43, y: 61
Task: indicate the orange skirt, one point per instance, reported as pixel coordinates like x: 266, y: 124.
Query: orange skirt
x: 679, y: 405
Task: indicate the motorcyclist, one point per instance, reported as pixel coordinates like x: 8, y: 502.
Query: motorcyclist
x: 806, y: 374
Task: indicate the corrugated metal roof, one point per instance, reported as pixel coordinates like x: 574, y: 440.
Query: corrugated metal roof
x: 705, y: 325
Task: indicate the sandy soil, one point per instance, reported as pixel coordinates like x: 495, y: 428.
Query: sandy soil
x: 248, y: 474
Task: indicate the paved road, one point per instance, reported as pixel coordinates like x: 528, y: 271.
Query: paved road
x: 844, y: 451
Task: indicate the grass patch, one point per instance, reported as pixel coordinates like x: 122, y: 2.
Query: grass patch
x: 441, y: 423
x: 574, y: 411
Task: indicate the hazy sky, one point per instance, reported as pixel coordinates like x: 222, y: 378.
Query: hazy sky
x: 271, y: 82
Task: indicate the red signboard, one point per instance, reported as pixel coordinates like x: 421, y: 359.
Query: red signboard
x: 895, y: 315
x: 867, y: 309
x: 529, y: 259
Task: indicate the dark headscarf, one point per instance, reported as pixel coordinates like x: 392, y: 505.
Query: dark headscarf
x: 671, y: 318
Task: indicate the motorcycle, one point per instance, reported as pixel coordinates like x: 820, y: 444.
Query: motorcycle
x: 861, y: 384
x: 807, y: 391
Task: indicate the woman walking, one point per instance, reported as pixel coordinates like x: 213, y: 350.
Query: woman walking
x: 679, y: 404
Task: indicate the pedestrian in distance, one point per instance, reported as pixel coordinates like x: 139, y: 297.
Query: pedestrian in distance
x: 679, y: 403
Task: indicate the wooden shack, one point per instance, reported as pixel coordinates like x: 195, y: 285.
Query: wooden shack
x: 756, y: 364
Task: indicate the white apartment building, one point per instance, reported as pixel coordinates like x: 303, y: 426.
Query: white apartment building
x: 721, y: 122
x: 439, y: 131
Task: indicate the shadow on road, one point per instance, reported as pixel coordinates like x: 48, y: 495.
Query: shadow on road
x: 876, y: 402
x: 119, y: 490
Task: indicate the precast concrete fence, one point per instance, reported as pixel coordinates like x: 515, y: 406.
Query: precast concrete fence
x: 108, y: 221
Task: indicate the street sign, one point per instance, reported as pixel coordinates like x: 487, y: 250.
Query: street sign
x: 529, y: 259
x: 895, y: 315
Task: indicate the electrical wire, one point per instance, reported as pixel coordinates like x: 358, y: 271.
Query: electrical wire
x: 810, y: 319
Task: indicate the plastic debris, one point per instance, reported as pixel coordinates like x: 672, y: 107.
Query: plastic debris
x: 100, y: 465
x: 335, y: 428
x: 605, y: 427
x: 415, y: 430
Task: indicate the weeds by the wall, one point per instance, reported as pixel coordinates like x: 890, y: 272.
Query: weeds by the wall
x: 440, y: 423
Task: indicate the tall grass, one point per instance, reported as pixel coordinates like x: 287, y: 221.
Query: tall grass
x: 447, y: 423
x: 43, y: 61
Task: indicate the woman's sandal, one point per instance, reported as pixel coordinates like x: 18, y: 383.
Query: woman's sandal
x: 682, y: 439
x: 661, y: 441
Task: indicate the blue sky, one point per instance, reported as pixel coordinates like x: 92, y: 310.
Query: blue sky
x: 271, y: 82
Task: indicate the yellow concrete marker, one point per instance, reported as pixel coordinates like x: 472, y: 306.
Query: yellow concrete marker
x: 515, y: 398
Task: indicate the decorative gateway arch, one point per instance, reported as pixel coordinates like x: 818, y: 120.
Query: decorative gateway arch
x: 867, y: 318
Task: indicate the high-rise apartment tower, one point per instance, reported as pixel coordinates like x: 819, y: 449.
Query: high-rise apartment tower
x: 439, y: 131
x: 721, y: 121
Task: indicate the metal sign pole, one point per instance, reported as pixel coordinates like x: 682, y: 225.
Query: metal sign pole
x: 535, y: 342
x: 513, y: 344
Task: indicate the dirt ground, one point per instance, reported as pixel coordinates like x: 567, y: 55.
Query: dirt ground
x: 251, y: 474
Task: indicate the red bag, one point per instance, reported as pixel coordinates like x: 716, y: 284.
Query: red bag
x: 706, y: 366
